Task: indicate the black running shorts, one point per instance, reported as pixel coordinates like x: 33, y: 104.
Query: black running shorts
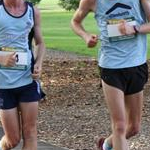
x: 129, y: 80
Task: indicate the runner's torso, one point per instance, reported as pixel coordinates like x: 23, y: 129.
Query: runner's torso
x: 120, y: 52
x: 14, y: 31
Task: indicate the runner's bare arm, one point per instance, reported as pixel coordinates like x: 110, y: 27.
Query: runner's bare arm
x: 85, y: 7
x: 38, y: 37
x: 39, y: 43
x: 80, y: 14
x: 145, y: 28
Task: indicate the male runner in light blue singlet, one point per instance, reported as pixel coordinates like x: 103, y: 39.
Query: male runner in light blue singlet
x: 123, y: 27
x: 19, y: 91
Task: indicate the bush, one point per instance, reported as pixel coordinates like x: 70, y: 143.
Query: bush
x: 34, y: 1
x: 69, y: 4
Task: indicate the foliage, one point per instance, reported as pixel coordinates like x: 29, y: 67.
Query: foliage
x: 69, y: 4
x: 34, y: 1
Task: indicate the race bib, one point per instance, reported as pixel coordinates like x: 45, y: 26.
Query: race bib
x: 113, y: 29
x: 21, y: 58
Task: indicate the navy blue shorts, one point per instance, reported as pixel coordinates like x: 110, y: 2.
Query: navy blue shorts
x: 10, y: 98
x: 129, y: 80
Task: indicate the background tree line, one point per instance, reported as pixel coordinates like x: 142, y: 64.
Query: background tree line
x: 34, y: 1
x: 66, y: 4
x: 69, y: 4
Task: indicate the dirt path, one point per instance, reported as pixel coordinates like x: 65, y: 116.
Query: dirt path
x: 55, y: 55
x: 75, y: 111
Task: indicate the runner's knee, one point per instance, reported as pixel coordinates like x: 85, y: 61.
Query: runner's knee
x: 29, y: 131
x: 119, y: 127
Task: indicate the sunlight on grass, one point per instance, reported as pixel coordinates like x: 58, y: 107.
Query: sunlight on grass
x: 50, y: 5
x: 58, y: 34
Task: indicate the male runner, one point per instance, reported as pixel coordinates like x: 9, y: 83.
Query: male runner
x: 19, y: 93
x: 123, y: 28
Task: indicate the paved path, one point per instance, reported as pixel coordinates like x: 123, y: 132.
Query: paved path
x: 41, y: 145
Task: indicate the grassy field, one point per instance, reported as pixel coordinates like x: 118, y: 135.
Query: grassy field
x: 58, y: 34
x: 148, y: 47
x: 50, y: 4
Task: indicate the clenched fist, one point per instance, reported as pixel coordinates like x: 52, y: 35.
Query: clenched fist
x: 8, y: 60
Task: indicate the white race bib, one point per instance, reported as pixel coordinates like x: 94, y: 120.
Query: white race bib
x: 114, y: 33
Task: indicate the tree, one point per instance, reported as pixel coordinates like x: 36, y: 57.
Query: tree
x: 34, y: 1
x: 69, y: 4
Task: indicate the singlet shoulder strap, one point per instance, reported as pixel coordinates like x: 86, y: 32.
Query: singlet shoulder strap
x: 30, y: 37
x: 1, y: 2
x: 31, y: 34
x: 31, y: 5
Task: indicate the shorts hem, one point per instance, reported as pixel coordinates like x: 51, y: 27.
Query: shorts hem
x: 113, y: 85
x: 3, y: 108
x: 30, y: 101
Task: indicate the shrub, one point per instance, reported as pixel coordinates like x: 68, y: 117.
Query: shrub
x: 69, y: 4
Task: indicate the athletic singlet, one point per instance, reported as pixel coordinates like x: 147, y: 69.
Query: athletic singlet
x: 120, y: 51
x: 14, y: 32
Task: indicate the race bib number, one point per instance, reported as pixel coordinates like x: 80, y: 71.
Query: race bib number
x: 113, y: 29
x: 21, y: 58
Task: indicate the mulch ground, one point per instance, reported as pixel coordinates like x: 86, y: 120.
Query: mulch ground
x: 74, y: 111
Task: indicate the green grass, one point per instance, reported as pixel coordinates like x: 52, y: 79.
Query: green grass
x: 58, y: 34
x: 51, y: 5
x: 148, y: 53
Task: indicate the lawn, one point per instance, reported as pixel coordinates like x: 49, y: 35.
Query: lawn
x: 58, y: 34
x: 49, y: 4
x: 148, y: 47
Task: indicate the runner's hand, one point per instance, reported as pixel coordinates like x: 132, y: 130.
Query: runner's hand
x: 91, y: 40
x: 125, y: 28
x: 36, y: 72
x: 8, y: 60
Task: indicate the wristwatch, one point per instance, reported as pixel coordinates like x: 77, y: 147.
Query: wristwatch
x: 136, y: 29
